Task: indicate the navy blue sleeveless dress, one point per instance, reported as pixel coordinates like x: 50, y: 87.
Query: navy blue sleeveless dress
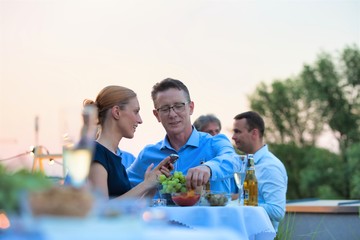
x: 118, y: 181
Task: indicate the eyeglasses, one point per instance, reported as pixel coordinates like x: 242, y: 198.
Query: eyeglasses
x: 177, y: 108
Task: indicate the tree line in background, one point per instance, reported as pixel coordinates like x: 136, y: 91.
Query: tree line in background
x: 324, y: 97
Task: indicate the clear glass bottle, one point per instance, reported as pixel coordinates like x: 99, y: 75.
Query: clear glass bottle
x: 250, y: 184
x: 78, y: 158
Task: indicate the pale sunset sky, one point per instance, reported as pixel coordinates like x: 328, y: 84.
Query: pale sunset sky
x: 56, y: 53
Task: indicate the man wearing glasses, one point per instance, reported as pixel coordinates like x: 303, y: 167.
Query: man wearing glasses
x: 202, y: 158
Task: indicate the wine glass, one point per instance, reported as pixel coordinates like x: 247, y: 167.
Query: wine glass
x: 78, y: 162
x: 240, y: 176
x: 69, y: 130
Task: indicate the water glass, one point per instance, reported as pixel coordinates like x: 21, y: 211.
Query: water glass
x: 78, y: 163
x: 159, y: 202
x: 240, y: 176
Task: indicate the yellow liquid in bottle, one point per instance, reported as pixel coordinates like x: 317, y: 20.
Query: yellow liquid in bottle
x: 250, y: 192
x: 251, y: 185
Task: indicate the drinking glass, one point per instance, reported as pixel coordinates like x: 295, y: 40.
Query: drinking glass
x: 70, y: 124
x: 240, y: 176
x: 78, y: 165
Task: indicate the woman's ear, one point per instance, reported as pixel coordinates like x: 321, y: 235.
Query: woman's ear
x: 115, y: 112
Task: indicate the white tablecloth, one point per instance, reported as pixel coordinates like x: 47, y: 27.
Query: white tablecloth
x: 248, y: 222
x: 50, y: 228
x: 197, y: 222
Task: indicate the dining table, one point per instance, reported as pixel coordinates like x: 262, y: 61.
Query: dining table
x: 249, y: 222
x: 230, y: 222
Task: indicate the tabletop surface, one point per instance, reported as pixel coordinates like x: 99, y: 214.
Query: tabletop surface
x: 248, y: 222
x: 231, y: 222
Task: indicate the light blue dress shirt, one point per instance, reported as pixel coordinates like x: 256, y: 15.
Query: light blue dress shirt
x: 272, y: 184
x: 214, y: 151
x: 126, y: 158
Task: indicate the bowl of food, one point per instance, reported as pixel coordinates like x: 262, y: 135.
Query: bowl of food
x: 165, y: 195
x: 174, y: 184
x: 61, y: 201
x: 214, y: 198
x: 189, y: 198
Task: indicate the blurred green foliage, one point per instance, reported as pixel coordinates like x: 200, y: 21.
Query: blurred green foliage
x: 15, y: 185
x: 324, y: 97
x: 353, y: 154
x: 312, y: 172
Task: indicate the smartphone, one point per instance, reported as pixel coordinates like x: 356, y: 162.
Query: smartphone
x: 173, y: 158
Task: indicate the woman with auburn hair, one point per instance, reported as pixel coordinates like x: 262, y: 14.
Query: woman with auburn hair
x: 118, y: 117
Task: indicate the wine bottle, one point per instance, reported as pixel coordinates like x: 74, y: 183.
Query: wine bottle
x: 250, y: 184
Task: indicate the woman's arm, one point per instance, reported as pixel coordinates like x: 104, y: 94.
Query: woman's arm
x: 147, y: 188
x: 98, y: 178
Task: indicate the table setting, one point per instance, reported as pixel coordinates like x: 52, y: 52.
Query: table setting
x: 247, y: 221
x: 204, y: 208
x: 73, y: 212
x: 134, y: 220
x: 126, y: 219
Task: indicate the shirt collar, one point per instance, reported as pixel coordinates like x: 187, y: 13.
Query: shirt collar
x: 194, y: 140
x: 118, y: 152
x: 260, y: 153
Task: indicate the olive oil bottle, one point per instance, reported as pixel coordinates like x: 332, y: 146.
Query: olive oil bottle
x: 250, y: 184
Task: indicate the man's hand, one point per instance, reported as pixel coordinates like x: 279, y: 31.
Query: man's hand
x: 197, y: 176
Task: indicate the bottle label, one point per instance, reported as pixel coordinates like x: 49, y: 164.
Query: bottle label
x: 246, y: 194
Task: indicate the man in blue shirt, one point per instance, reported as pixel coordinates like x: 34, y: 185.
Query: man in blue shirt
x: 211, y: 124
x: 248, y: 132
x: 201, y: 156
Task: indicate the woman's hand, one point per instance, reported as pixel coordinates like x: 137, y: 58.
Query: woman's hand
x: 165, y: 166
x: 151, y: 177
